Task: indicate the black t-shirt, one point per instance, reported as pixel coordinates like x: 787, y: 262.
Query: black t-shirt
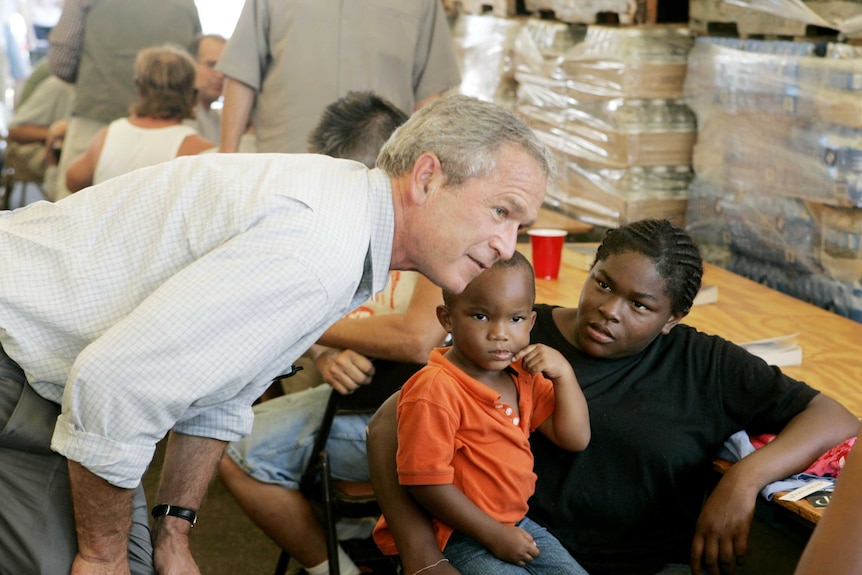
x: 388, y: 378
x: 629, y: 502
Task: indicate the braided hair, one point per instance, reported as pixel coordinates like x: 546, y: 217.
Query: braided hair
x: 672, y: 250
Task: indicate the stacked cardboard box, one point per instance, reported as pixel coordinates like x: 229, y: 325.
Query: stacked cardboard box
x: 484, y: 46
x: 778, y: 164
x: 610, y: 108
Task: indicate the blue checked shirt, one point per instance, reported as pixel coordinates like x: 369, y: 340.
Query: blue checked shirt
x: 169, y: 297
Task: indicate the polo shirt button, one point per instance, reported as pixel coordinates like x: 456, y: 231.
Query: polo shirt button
x: 516, y: 421
x: 508, y: 411
x: 499, y: 406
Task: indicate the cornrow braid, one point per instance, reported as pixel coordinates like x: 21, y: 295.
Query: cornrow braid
x: 672, y: 250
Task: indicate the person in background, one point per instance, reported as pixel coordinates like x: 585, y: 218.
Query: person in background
x: 834, y: 545
x: 355, y: 127
x: 94, y: 45
x: 209, y: 83
x: 400, y: 50
x: 36, y: 132
x: 41, y: 72
x: 663, y: 398
x: 14, y: 42
x: 41, y: 17
x: 154, y: 132
x: 166, y: 300
x: 464, y: 421
x: 369, y: 353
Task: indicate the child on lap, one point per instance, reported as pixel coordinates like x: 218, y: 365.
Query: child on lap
x: 464, y: 423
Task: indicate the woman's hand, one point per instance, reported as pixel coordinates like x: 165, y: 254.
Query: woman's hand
x: 721, y: 534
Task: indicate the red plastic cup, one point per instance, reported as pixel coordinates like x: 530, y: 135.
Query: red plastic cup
x: 547, y: 247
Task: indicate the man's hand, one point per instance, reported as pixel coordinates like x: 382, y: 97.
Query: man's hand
x: 189, y: 466
x: 54, y: 141
x: 345, y: 370
x: 82, y: 566
x: 721, y: 534
x: 103, y: 516
x: 171, y: 549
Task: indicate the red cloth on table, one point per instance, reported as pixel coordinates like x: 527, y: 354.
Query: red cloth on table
x: 827, y: 465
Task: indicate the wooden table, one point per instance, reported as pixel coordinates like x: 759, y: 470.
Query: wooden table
x: 745, y: 311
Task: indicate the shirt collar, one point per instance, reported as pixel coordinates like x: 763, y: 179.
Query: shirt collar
x: 382, y: 219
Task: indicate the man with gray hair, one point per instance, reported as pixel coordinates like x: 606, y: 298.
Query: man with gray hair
x: 186, y: 287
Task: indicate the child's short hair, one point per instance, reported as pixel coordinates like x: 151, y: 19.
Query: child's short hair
x: 356, y: 127
x: 516, y: 261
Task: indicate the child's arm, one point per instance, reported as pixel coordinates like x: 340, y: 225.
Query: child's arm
x: 449, y: 504
x: 569, y: 426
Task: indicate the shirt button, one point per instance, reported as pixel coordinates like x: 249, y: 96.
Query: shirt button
x: 508, y: 411
x: 516, y: 421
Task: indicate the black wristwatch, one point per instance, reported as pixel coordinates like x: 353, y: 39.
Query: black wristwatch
x: 175, y: 511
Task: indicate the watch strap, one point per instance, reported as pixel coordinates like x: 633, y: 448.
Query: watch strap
x: 175, y: 511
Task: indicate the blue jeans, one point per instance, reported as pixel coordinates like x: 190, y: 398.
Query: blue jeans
x: 472, y: 558
x: 279, y: 447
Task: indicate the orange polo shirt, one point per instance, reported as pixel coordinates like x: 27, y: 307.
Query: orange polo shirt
x: 454, y: 429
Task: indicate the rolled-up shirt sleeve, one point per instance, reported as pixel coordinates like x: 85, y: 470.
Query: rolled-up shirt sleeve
x: 192, y: 357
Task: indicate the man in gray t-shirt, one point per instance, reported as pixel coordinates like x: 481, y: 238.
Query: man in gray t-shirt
x: 280, y: 62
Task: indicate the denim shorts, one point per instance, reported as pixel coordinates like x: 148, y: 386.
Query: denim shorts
x: 279, y: 447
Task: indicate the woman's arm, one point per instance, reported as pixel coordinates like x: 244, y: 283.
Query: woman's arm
x: 721, y: 534
x: 410, y: 525
x: 193, y: 145
x: 834, y: 546
x: 83, y: 168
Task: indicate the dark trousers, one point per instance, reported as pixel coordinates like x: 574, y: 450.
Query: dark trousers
x: 37, y: 528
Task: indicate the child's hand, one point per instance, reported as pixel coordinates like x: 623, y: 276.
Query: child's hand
x: 514, y: 545
x: 541, y: 358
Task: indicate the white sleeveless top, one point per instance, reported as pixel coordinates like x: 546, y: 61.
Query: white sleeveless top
x: 128, y: 147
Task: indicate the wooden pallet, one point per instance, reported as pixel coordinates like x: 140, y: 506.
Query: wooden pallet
x: 534, y: 6
x: 717, y: 18
x: 500, y: 8
x: 592, y: 11
x: 569, y: 11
